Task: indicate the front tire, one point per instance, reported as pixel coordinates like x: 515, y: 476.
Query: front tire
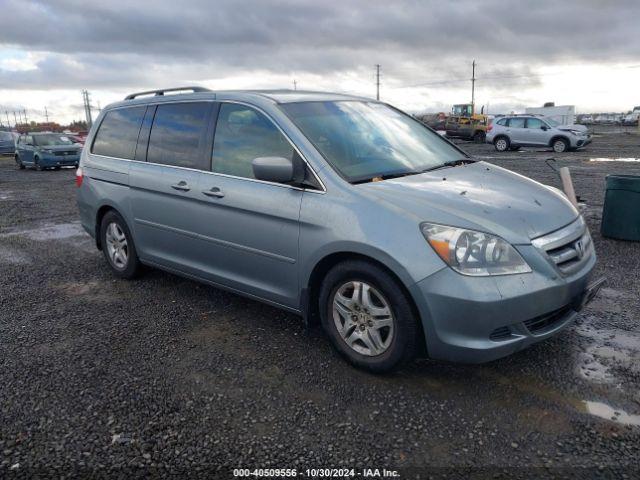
x: 19, y: 162
x: 368, y: 316
x: 118, y: 247
x: 501, y: 144
x: 36, y: 162
x: 560, y: 145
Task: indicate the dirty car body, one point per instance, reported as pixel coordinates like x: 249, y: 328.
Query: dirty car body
x: 491, y: 260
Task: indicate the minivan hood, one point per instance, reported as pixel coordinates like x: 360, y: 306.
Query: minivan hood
x: 479, y: 196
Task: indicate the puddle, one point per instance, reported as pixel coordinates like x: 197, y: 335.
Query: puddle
x: 607, y: 159
x: 13, y: 257
x: 50, y: 232
x: 609, y: 348
x: 607, y: 412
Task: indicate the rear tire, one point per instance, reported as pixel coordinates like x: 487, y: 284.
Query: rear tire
x: 501, y: 144
x: 118, y: 247
x: 560, y: 145
x: 368, y: 316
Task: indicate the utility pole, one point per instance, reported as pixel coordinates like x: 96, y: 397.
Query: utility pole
x: 377, y: 81
x: 46, y: 114
x: 295, y: 84
x: 473, y: 87
x: 87, y: 107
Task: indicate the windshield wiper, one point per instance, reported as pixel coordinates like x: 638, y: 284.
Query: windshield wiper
x: 450, y: 163
x: 387, y: 176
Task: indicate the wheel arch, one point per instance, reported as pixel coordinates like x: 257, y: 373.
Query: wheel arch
x: 100, y: 213
x: 311, y: 291
x: 558, y: 137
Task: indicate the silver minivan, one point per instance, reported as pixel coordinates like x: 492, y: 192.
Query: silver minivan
x: 341, y: 209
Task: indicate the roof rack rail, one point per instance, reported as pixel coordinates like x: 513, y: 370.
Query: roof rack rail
x: 162, y: 91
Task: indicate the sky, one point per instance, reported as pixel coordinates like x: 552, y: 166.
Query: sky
x: 578, y: 52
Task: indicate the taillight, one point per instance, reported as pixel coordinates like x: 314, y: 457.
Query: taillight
x: 79, y: 177
x: 489, y: 128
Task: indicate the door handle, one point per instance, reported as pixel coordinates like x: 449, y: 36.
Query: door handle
x: 182, y: 186
x: 214, y: 192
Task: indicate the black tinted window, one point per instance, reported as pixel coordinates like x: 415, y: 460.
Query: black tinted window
x: 118, y: 133
x: 243, y: 134
x: 178, y: 135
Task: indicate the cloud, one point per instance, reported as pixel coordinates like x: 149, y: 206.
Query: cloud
x: 121, y: 44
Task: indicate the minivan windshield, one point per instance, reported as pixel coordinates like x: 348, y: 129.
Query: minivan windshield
x: 371, y: 141
x: 51, y: 139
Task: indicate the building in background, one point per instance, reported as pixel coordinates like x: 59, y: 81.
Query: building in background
x: 563, y: 114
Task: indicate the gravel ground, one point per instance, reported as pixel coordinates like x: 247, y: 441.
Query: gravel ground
x: 162, y: 375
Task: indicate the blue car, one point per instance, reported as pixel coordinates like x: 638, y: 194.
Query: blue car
x: 7, y: 143
x: 341, y: 209
x: 46, y: 150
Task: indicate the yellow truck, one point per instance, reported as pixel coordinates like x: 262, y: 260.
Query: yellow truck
x: 466, y: 124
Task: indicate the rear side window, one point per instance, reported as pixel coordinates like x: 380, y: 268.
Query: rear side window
x: 502, y: 122
x: 118, y: 133
x: 179, y: 134
x: 243, y: 134
x: 535, y: 123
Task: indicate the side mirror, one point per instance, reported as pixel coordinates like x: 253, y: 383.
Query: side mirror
x: 544, y: 127
x: 273, y: 169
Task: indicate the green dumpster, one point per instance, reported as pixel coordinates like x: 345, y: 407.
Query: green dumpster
x: 621, y: 213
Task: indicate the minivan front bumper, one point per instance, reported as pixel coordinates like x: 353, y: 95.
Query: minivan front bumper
x: 479, y: 319
x: 53, y: 160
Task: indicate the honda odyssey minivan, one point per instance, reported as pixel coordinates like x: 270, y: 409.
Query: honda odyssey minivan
x: 341, y: 209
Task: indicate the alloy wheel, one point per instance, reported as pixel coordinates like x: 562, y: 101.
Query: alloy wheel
x: 559, y: 146
x: 363, y: 318
x: 501, y: 144
x: 117, y: 246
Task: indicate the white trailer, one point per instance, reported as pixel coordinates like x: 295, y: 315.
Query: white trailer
x: 563, y: 114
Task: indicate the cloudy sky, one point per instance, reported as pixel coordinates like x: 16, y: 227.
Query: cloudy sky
x: 580, y: 52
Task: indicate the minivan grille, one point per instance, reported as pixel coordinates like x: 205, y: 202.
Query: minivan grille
x: 65, y: 153
x: 569, y: 248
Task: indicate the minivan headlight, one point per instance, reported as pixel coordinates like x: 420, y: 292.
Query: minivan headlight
x: 473, y: 253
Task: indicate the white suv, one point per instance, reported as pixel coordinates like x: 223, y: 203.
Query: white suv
x: 515, y: 131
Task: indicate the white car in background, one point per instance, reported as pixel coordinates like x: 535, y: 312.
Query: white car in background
x: 514, y: 131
